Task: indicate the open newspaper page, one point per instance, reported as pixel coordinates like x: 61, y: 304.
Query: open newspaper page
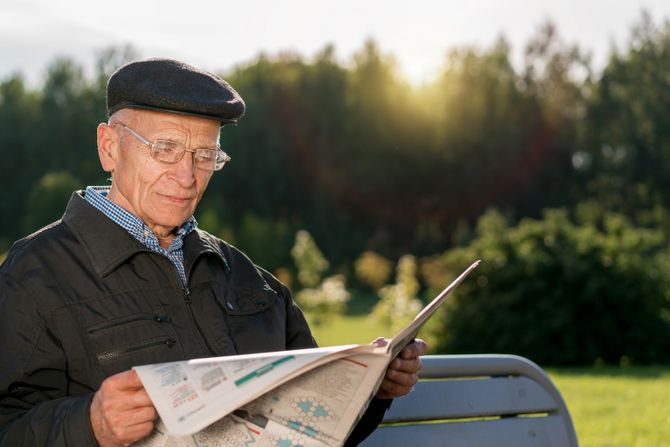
x: 309, y: 397
x: 190, y: 395
x: 317, y: 408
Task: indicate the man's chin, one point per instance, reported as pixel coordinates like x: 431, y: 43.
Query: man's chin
x: 172, y: 220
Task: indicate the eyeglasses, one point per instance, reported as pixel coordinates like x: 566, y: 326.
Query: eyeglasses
x: 171, y: 152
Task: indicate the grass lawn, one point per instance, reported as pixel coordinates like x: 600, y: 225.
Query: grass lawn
x: 610, y: 406
x: 347, y: 329
x: 618, y: 407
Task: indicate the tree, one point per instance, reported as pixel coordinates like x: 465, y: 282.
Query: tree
x: 18, y: 124
x: 47, y: 199
x: 627, y: 145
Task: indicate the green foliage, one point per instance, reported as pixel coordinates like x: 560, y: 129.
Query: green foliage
x: 18, y: 119
x: 266, y: 242
x: 325, y: 301
x: 322, y: 300
x: 351, y: 151
x: 626, y: 139
x: 308, y: 259
x: 398, y: 303
x: 561, y: 293
x: 47, y: 199
x: 45, y: 131
x: 372, y: 269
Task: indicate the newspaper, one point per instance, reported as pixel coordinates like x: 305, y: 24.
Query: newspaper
x: 306, y: 397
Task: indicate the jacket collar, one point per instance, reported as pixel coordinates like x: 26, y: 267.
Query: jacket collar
x: 108, y: 245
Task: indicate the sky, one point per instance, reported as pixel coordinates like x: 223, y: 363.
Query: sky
x: 218, y: 35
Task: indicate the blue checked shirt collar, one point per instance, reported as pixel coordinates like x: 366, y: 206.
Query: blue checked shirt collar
x: 97, y: 196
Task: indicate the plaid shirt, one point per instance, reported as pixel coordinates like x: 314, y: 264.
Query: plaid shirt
x: 97, y: 196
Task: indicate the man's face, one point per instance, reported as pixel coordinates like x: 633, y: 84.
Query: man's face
x: 162, y: 195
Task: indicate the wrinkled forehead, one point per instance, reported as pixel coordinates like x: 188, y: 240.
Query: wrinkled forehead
x: 149, y: 120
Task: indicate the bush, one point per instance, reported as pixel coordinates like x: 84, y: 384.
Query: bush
x: 372, y: 269
x: 398, y: 303
x: 326, y: 301
x: 308, y: 259
x: 560, y: 293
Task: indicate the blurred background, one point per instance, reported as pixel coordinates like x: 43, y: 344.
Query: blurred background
x: 387, y: 146
x: 376, y: 173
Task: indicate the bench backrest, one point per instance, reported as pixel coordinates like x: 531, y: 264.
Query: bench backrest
x: 478, y: 401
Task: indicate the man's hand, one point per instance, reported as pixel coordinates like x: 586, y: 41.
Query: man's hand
x: 121, y: 411
x: 403, y: 372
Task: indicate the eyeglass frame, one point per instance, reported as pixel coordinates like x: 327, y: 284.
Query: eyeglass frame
x: 225, y: 158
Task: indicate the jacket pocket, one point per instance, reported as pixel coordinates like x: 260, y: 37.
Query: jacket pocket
x: 122, y: 321
x: 255, y: 319
x: 136, y: 350
x: 127, y: 329
x: 246, y: 301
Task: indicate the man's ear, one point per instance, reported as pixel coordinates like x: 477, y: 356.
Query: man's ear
x: 108, y: 146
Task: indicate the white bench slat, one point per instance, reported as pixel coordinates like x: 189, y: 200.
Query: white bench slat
x: 442, y: 399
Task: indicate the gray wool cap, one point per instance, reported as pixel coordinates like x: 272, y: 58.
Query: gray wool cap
x: 169, y: 85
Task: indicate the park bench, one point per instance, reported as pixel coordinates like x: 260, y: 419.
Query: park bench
x: 478, y: 401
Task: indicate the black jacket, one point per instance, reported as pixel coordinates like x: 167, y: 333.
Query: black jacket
x: 81, y: 300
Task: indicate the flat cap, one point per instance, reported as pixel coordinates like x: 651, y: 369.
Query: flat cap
x: 169, y: 85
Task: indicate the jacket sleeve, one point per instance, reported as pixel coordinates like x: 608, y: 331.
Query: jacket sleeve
x: 34, y: 406
x: 369, y: 421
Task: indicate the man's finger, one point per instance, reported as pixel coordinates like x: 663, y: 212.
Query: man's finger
x: 126, y: 380
x: 141, y: 415
x: 411, y: 366
x: 390, y: 390
x: 138, y: 398
x: 415, y: 349
x: 402, y: 378
x: 380, y: 341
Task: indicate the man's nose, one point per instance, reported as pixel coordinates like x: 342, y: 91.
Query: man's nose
x: 184, y: 169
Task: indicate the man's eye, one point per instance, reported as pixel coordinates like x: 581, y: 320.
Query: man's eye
x: 205, y: 155
x: 166, y: 147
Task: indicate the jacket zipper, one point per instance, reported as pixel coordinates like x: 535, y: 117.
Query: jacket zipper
x: 111, y: 355
x: 188, y: 301
x: 144, y: 317
x: 187, y: 298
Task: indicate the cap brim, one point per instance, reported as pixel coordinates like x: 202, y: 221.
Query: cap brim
x: 222, y: 121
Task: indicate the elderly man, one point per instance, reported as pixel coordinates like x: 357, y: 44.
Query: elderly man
x: 127, y: 278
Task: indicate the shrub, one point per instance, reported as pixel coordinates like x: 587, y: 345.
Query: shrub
x: 372, y: 269
x: 321, y: 299
x: 308, y: 259
x: 325, y: 301
x: 560, y: 293
x: 398, y: 302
